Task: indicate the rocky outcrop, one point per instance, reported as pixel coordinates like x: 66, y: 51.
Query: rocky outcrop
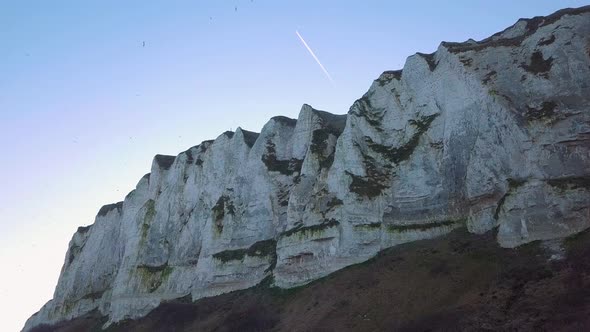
x: 483, y: 135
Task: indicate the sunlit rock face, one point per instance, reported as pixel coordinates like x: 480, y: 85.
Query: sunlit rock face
x: 483, y: 135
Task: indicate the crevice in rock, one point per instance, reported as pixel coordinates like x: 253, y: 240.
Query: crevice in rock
x: 150, y: 213
x: 513, y: 185
x: 432, y: 63
x: 426, y: 226
x: 250, y: 137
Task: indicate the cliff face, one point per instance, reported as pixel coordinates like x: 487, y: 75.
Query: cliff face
x: 483, y: 135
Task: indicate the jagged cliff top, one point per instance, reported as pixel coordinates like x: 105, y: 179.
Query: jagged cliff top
x: 515, y: 34
x: 510, y: 37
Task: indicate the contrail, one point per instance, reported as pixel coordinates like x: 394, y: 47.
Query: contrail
x: 315, y: 57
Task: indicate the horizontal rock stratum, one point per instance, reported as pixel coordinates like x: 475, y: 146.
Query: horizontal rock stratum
x: 485, y: 135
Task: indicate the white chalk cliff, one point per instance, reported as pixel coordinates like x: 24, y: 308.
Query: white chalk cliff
x: 486, y: 135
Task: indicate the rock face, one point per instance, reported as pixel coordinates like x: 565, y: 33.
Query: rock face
x: 483, y: 135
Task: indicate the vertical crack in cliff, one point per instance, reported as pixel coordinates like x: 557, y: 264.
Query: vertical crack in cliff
x: 150, y: 212
x: 513, y: 185
x: 223, y: 205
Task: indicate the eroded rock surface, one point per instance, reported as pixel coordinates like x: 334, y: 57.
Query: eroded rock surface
x: 483, y: 135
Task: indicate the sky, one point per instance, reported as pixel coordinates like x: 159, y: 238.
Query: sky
x: 90, y: 91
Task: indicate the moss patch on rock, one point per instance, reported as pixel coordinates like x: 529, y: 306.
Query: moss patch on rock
x: 370, y: 226
x: 363, y: 108
x: 570, y: 182
x: 265, y: 248
x: 332, y: 125
x: 489, y: 77
x: 466, y: 61
x: 432, y: 63
x: 403, y: 152
x: 303, y: 231
x: 150, y: 213
x: 202, y: 148
x: 547, y: 110
x: 223, y: 205
x: 250, y: 137
x: 388, y: 76
x: 152, y: 277
x: 365, y: 185
x: 285, y: 167
x: 424, y: 227
x: 374, y: 182
x: 318, y: 146
x: 335, y: 201
x: 538, y: 65
x: 164, y: 162
x: 319, y: 140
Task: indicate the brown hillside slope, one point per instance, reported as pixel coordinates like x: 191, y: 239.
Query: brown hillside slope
x: 457, y: 282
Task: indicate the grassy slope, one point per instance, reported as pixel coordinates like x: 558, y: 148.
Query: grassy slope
x: 457, y: 282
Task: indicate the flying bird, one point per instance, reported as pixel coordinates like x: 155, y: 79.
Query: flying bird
x: 143, y: 44
x: 314, y: 56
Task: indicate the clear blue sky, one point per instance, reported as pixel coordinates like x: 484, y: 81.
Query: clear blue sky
x: 84, y: 105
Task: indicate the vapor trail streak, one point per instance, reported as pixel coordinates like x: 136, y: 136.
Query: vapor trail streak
x: 315, y: 57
